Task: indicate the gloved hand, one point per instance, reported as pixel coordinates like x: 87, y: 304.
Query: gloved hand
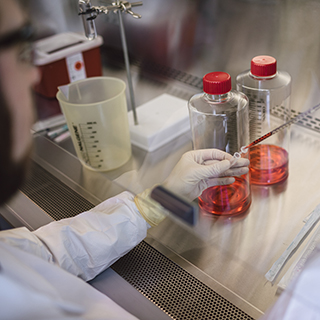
x: 196, y: 171
x: 200, y: 169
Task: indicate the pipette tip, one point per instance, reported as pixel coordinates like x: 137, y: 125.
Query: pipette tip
x: 243, y: 150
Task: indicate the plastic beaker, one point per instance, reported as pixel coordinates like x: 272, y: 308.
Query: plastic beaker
x: 96, y: 113
x: 219, y: 119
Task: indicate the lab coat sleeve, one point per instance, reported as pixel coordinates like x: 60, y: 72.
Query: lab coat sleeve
x: 87, y: 244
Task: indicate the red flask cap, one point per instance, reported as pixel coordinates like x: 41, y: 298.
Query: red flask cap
x: 263, y: 66
x: 216, y: 83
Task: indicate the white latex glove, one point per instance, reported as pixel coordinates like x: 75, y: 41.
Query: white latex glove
x: 200, y: 169
x: 196, y: 171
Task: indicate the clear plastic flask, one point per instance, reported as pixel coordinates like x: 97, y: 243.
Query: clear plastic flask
x: 269, y: 92
x: 219, y: 119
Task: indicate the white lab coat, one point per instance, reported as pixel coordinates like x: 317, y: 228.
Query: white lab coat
x: 43, y: 273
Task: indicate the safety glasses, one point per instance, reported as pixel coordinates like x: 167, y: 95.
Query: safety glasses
x: 22, y: 37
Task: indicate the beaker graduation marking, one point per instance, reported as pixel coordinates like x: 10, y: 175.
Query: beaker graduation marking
x: 91, y: 143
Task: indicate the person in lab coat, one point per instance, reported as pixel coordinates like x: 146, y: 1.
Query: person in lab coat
x: 43, y: 273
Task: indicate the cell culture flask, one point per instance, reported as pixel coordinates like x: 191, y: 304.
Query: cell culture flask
x: 268, y: 90
x: 219, y: 119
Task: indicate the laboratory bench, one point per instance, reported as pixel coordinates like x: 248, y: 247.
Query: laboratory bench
x: 177, y: 272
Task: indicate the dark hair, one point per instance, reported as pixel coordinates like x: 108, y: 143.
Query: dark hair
x: 11, y: 174
x: 5, y: 150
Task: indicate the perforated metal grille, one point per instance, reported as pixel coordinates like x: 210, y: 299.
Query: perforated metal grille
x: 308, y: 121
x: 171, y: 288
x: 115, y: 56
x: 167, y: 285
x: 52, y: 196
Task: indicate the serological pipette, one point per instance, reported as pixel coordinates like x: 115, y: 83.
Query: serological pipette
x: 244, y: 149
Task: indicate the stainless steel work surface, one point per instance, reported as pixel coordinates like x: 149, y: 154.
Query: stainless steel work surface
x: 160, y: 285
x: 238, y: 251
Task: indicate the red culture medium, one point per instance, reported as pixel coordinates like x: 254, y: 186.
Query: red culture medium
x: 268, y: 164
x: 229, y: 200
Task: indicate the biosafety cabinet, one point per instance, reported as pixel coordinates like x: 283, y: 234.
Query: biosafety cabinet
x: 217, y: 270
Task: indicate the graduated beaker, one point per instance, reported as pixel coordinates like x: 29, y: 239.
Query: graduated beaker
x: 96, y: 114
x: 219, y: 119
